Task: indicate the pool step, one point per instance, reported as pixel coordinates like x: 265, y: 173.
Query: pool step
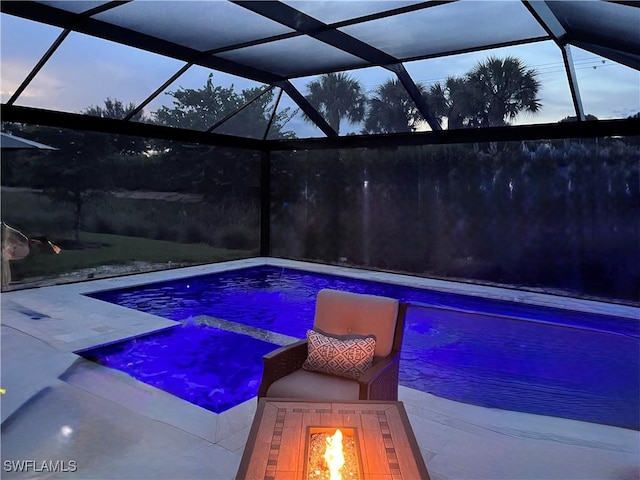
x: 254, y: 332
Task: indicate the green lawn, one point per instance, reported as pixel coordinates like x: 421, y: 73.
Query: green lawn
x: 102, y: 249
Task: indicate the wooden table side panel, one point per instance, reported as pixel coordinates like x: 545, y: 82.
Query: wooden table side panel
x: 376, y: 459
x: 290, y: 458
x: 340, y: 406
x: 310, y: 419
x: 370, y: 420
x: 404, y: 438
x: 333, y: 420
x: 267, y: 421
x: 293, y: 419
x: 408, y: 465
x: 351, y: 420
x: 398, y: 427
x: 288, y: 475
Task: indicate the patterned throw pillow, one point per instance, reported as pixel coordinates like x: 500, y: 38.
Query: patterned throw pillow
x: 347, y: 358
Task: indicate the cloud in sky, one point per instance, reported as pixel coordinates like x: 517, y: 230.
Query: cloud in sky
x: 85, y: 71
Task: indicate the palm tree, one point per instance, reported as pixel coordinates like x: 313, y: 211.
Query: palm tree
x: 492, y: 93
x: 507, y: 87
x: 456, y: 100
x: 337, y: 96
x: 391, y: 109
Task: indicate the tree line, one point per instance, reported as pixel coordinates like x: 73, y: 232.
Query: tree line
x: 492, y: 93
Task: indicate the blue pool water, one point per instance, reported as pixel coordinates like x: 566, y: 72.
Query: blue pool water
x: 475, y: 350
x: 214, y: 369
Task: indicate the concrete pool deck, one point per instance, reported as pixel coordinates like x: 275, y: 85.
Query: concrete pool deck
x: 103, y: 424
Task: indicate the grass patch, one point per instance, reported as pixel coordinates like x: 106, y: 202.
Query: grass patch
x: 104, y: 249
x: 129, y: 231
x: 215, y: 224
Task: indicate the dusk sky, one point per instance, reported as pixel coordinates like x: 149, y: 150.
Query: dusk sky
x: 85, y: 71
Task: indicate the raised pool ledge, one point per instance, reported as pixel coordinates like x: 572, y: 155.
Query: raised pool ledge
x: 447, y: 286
x: 64, y: 317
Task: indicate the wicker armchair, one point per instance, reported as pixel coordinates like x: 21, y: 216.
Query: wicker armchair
x: 342, y: 313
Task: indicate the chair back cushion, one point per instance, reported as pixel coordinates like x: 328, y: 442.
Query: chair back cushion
x: 345, y: 313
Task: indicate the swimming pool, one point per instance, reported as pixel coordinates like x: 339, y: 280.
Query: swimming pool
x: 475, y: 350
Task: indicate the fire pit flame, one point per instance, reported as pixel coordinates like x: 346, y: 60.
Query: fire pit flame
x: 334, y: 455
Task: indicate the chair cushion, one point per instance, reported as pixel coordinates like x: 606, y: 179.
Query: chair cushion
x: 348, y: 357
x: 313, y: 385
x: 343, y: 313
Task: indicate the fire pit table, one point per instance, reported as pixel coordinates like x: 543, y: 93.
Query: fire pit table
x: 281, y: 442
